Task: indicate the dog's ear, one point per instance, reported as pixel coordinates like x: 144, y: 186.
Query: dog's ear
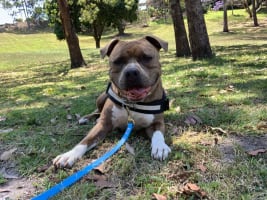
x: 157, y: 42
x: 108, y: 48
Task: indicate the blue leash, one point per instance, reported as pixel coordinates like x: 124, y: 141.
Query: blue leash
x: 78, y: 175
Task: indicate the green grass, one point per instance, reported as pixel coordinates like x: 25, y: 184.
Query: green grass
x: 38, y: 91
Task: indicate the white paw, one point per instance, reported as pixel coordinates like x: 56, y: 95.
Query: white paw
x: 69, y: 158
x: 160, y: 150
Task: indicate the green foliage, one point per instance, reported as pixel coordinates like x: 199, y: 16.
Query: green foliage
x: 93, y: 16
x: 108, y: 13
x: 58, y: 30
x: 51, y: 9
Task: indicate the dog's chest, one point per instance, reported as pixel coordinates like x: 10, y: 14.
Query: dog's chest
x: 120, y: 118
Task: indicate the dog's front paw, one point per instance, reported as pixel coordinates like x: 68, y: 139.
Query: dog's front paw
x: 69, y: 158
x: 160, y: 150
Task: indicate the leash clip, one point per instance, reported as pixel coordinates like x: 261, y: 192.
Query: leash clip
x: 130, y: 119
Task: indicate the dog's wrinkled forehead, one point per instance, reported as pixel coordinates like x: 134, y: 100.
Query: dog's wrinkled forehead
x: 133, y: 49
x: 146, y: 45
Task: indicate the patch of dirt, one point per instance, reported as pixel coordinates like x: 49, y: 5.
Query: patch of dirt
x: 15, y: 187
x: 21, y: 188
x: 246, y: 143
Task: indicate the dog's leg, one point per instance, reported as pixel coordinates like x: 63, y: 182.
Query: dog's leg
x: 97, y: 133
x: 159, y: 149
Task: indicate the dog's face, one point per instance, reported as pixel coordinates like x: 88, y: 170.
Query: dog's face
x: 134, y: 65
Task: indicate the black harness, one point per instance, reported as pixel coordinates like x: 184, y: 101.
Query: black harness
x: 154, y: 107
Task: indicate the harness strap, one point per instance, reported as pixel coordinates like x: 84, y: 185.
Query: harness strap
x: 154, y: 107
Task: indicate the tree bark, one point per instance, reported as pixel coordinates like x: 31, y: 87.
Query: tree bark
x: 121, y: 28
x: 198, y: 36
x: 70, y: 35
x: 181, y: 41
x: 254, y: 13
x: 247, y: 8
x: 98, y: 29
x: 225, y: 18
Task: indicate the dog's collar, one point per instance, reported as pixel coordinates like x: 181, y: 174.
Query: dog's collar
x: 154, y: 107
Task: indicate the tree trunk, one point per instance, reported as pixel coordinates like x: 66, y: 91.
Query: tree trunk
x: 121, y: 28
x: 225, y: 18
x: 254, y: 13
x: 247, y: 8
x: 181, y: 41
x: 98, y: 29
x: 70, y: 35
x: 198, y: 36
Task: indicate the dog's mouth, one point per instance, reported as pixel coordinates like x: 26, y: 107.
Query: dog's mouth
x: 136, y: 94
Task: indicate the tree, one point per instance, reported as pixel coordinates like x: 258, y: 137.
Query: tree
x: 93, y: 16
x: 198, y: 36
x: 225, y: 18
x: 71, y: 37
x: 122, y: 12
x: 158, y: 8
x: 52, y: 10
x: 181, y: 41
x: 99, y: 14
x: 246, y: 5
x: 254, y: 13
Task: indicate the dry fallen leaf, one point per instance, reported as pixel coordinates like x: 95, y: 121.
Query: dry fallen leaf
x: 159, y: 196
x: 100, y: 169
x: 7, y: 154
x: 262, y: 126
x: 202, y: 168
x: 191, y: 188
x: 256, y: 152
x: 129, y: 148
x: 43, y: 168
x: 193, y: 120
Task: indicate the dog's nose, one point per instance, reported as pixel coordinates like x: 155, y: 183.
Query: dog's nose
x: 132, y: 74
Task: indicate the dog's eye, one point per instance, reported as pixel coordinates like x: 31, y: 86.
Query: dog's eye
x: 119, y: 61
x: 146, y: 58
